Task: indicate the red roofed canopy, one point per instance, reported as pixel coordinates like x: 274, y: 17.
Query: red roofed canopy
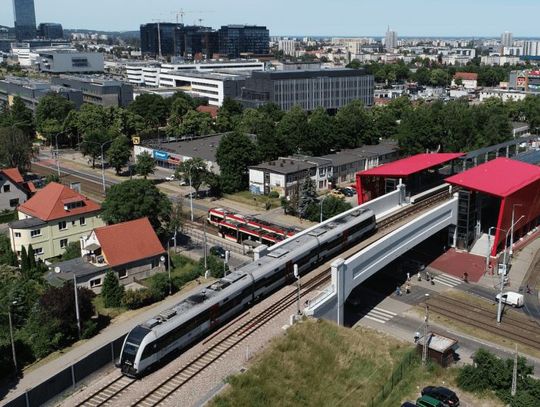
x: 411, y: 165
x: 128, y: 242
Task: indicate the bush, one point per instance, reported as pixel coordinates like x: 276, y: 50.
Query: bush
x: 112, y: 291
x: 159, y: 285
x: 273, y: 195
x: 134, y: 299
x: 90, y: 329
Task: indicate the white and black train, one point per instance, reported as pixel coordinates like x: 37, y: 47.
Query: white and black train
x: 210, y: 306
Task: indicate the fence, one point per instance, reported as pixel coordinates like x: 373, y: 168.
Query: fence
x: 198, y: 235
x: 70, y: 376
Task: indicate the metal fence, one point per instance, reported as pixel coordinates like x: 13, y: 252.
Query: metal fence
x: 198, y: 235
x: 70, y: 376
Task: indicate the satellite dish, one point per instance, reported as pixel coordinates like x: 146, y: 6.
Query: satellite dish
x: 57, y: 269
x: 162, y: 258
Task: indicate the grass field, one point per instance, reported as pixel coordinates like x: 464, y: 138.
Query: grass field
x: 257, y: 201
x: 317, y: 364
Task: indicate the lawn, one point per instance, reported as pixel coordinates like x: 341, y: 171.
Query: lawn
x: 258, y: 201
x: 317, y: 363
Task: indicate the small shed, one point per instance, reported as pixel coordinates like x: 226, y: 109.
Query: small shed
x: 441, y: 349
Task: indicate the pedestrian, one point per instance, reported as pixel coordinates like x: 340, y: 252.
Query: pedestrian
x: 398, y: 291
x: 416, y: 337
x: 408, y: 288
x: 466, y: 277
x: 419, y: 276
x: 529, y: 291
x: 428, y: 277
x: 408, y: 276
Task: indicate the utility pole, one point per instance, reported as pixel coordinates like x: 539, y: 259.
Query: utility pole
x: 514, y: 374
x: 426, y: 327
x: 297, y: 276
x: 512, y: 230
x: 77, y: 305
x: 225, y: 262
x: 205, y: 247
x: 11, y: 336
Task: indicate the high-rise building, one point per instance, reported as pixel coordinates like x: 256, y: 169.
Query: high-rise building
x: 390, y: 40
x: 237, y: 39
x: 287, y: 46
x: 158, y: 39
x: 50, y: 31
x: 531, y: 48
x: 507, y: 39
x: 25, y: 19
x: 196, y: 42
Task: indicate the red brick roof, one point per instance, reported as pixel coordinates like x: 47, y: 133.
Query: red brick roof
x: 13, y: 174
x: 211, y: 110
x: 48, y: 203
x: 128, y: 242
x: 466, y: 76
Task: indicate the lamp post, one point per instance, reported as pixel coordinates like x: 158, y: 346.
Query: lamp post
x: 297, y: 276
x: 169, y: 264
x: 321, y: 204
x: 11, y: 336
x: 101, y: 145
x: 512, y: 229
x: 77, y: 305
x: 226, y: 262
x: 190, y: 196
x: 426, y: 327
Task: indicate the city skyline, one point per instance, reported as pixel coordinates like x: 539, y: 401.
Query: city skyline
x: 340, y: 18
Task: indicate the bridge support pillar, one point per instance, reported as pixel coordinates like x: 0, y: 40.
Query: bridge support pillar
x: 338, y: 280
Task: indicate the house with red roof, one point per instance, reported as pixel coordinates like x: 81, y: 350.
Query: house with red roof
x: 51, y: 219
x: 13, y: 189
x: 469, y: 80
x: 131, y: 249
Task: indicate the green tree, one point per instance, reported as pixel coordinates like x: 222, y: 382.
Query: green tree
x: 352, y: 123
x: 15, y: 149
x: 7, y: 256
x: 179, y: 108
x: 196, y: 169
x: 195, y: 124
x: 119, y: 153
x: 112, y: 291
x: 308, y: 196
x: 231, y: 107
x: 125, y: 122
x: 320, y: 137
x: 92, y: 142
x: 25, y: 262
x: 292, y: 129
x: 331, y: 206
x: 145, y: 164
x: 20, y: 117
x: 51, y: 112
x: 73, y: 251
x: 235, y: 153
x: 261, y: 124
x: 152, y: 108
x: 134, y: 199
x: 92, y: 119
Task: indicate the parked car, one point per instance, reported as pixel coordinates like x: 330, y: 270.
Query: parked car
x: 336, y: 194
x: 447, y: 396
x: 346, y: 192
x: 170, y: 177
x: 427, y: 401
x: 218, y: 251
x: 511, y: 298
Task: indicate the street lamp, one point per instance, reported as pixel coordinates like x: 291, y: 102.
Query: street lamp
x: 57, y: 155
x: 101, y: 145
x: 11, y: 336
x: 226, y: 262
x: 190, y: 196
x: 426, y: 327
x: 512, y: 229
x: 321, y: 204
x: 297, y: 276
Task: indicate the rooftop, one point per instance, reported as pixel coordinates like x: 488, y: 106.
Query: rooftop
x: 500, y: 177
x: 285, y: 166
x: 308, y: 73
x: 467, y: 76
x: 411, y: 165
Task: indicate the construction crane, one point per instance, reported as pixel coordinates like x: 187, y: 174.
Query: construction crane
x: 181, y: 13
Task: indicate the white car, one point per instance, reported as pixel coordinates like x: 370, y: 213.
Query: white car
x: 511, y: 298
x: 170, y: 177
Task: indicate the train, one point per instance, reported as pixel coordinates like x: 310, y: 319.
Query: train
x: 209, y: 306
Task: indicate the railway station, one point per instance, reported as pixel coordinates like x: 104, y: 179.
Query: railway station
x: 419, y: 173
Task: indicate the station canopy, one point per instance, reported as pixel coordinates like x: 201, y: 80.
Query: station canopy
x: 501, y: 177
x: 411, y: 165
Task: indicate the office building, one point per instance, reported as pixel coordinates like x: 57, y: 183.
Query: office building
x: 70, y: 61
x: 97, y: 90
x: 50, y: 31
x: 235, y: 40
x: 25, y: 19
x: 507, y: 39
x: 327, y: 88
x: 196, y: 42
x: 31, y: 91
x: 158, y: 39
x: 390, y: 40
x: 287, y: 46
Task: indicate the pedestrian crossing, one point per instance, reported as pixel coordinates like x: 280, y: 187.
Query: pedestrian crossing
x: 449, y: 281
x: 380, y: 315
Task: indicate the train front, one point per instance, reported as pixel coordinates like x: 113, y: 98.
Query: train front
x: 131, y: 351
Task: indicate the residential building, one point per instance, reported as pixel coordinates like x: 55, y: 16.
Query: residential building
x: 98, y: 90
x: 287, y: 46
x: 69, y: 61
x: 527, y: 80
x: 327, y: 88
x: 13, y: 189
x: 504, y: 94
x: 158, y: 39
x: 214, y: 86
x: 31, y: 91
x: 284, y: 176
x: 390, y: 40
x: 531, y: 48
x: 50, y: 31
x: 469, y: 80
x: 25, y: 19
x: 507, y: 39
x: 130, y: 249
x: 235, y: 40
x: 54, y: 217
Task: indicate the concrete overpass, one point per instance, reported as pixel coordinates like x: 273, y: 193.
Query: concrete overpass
x: 347, y: 274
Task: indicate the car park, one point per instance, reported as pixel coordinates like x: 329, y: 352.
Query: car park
x: 428, y: 401
x: 446, y: 396
x: 511, y: 298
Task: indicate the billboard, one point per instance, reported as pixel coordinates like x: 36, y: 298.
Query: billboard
x: 160, y: 155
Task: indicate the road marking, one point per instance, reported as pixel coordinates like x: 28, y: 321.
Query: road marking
x: 380, y: 315
x: 449, y: 281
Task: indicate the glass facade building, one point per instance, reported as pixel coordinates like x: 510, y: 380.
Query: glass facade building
x: 50, y: 31
x: 237, y: 39
x: 25, y: 19
x: 153, y: 34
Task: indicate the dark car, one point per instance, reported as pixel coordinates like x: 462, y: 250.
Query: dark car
x: 408, y: 404
x: 346, y: 192
x: 443, y: 394
x: 218, y: 251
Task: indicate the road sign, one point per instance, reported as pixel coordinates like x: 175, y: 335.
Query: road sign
x: 136, y: 140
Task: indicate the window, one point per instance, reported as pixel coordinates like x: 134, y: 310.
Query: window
x: 63, y: 243
x: 38, y: 251
x: 35, y: 232
x: 62, y: 225
x: 82, y: 220
x: 14, y: 202
x: 94, y: 283
x: 122, y: 273
x: 6, y: 187
x: 17, y: 234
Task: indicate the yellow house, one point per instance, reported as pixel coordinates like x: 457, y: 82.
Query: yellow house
x: 54, y: 217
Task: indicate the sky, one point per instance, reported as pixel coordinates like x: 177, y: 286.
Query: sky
x: 465, y: 18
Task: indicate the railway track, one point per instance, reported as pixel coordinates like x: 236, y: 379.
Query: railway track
x: 516, y: 329
x: 108, y: 393
x: 171, y: 385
